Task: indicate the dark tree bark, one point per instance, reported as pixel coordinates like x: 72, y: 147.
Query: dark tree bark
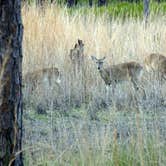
x: 40, y: 2
x: 90, y: 3
x: 146, y: 10
x: 101, y: 2
x: 71, y: 3
x: 11, y: 31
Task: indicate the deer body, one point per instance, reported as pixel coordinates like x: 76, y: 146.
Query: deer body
x: 114, y: 74
x: 77, y: 57
x: 43, y: 76
x: 122, y: 72
x: 157, y: 63
x: 130, y: 71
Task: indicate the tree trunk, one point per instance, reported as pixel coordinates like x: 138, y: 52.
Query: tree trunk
x: 39, y: 2
x: 42, y: 2
x: 90, y: 3
x: 146, y: 10
x: 70, y: 3
x: 101, y: 2
x: 11, y: 31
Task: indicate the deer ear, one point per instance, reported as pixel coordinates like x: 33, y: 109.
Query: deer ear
x: 80, y: 42
x: 93, y: 58
x: 103, y: 58
x: 76, y: 45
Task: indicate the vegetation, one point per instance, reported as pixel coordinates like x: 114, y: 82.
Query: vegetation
x: 121, y: 140
x: 105, y: 129
x: 116, y: 10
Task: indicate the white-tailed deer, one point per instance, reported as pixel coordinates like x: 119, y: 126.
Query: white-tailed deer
x: 78, y: 70
x: 113, y: 74
x: 157, y: 63
x: 77, y: 57
x: 46, y: 76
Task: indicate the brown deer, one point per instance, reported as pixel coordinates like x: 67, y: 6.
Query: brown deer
x: 157, y: 63
x: 114, y: 74
x: 78, y: 70
x: 77, y: 57
x: 47, y: 76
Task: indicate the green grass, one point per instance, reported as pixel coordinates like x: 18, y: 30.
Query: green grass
x: 117, y: 155
x: 148, y: 152
x: 123, y: 9
x: 92, y: 144
x: 114, y: 9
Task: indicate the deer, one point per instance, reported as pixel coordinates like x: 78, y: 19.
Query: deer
x: 156, y: 63
x: 77, y: 57
x: 43, y: 76
x: 78, y: 69
x: 119, y: 73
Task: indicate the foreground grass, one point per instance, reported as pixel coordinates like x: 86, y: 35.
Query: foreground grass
x: 125, y: 139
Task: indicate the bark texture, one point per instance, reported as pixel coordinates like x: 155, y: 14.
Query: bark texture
x: 11, y: 31
x: 146, y: 10
x: 101, y: 2
x: 71, y: 3
x: 90, y: 3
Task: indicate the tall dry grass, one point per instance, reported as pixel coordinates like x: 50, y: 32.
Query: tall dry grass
x: 51, y: 32
x: 116, y: 138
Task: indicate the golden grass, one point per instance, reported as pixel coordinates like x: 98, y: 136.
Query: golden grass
x: 48, y: 37
x: 49, y: 34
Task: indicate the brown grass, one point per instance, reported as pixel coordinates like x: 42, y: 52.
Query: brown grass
x: 49, y: 34
x: 117, y: 137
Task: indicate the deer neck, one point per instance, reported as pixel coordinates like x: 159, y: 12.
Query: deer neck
x: 103, y: 73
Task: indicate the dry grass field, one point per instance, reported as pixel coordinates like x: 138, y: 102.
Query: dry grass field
x: 97, y: 128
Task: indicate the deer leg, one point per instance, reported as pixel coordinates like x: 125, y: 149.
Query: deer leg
x: 136, y: 88
x: 113, y: 93
x: 107, y: 93
x: 113, y: 89
x: 135, y: 85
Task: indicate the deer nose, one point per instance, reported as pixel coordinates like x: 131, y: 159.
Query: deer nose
x: 98, y: 68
